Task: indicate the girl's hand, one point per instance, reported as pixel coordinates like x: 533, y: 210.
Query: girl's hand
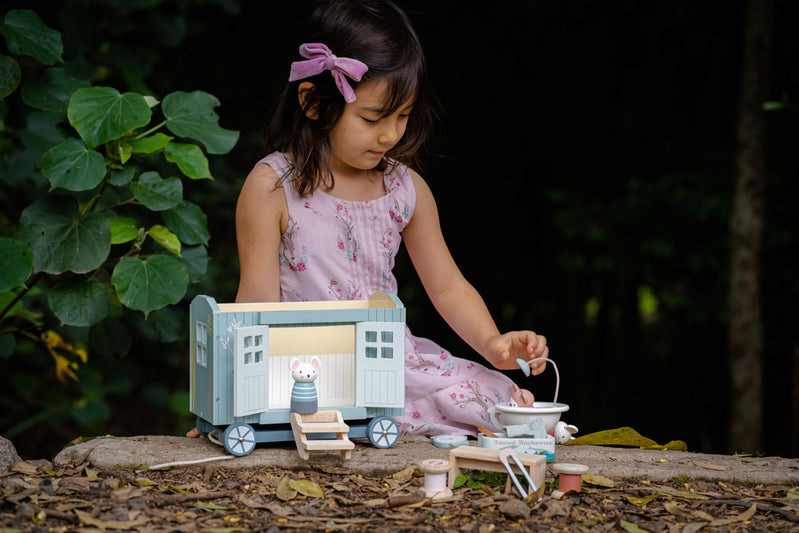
x: 505, y: 349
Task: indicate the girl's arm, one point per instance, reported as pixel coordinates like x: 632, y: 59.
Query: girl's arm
x: 454, y: 297
x: 261, y: 219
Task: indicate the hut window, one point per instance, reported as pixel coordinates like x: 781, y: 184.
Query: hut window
x: 202, y: 344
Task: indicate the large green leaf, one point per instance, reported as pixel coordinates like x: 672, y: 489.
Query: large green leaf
x: 61, y: 239
x: 188, y: 222
x: 72, y: 166
x: 157, y: 194
x: 26, y: 34
x: 53, y: 92
x: 189, y: 158
x: 10, y: 75
x: 40, y: 134
x: 195, y: 259
x: 79, y: 302
x: 192, y: 115
x: 150, y: 284
x: 16, y: 263
x: 102, y: 114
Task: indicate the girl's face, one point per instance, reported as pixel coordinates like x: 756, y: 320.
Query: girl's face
x: 361, y: 137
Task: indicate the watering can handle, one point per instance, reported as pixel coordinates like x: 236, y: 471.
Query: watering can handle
x: 495, y: 418
x: 525, y: 366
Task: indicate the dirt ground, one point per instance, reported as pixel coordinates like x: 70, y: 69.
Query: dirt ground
x: 77, y: 497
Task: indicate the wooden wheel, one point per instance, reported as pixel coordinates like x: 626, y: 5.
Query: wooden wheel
x: 239, y: 439
x: 383, y: 431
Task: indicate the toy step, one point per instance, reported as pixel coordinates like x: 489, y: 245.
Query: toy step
x: 321, y: 422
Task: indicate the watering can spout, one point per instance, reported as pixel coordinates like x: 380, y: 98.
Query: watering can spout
x: 524, y: 365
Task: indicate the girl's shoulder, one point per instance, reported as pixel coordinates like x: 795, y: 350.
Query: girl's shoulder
x: 277, y: 162
x: 262, y: 188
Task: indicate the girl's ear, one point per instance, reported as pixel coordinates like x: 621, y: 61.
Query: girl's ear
x: 304, y: 92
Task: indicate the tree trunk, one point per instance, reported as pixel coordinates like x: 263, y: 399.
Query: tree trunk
x: 746, y: 223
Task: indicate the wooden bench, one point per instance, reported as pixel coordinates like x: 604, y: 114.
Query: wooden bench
x: 487, y: 459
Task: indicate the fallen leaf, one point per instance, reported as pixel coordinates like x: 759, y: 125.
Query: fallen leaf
x: 279, y: 510
x: 702, y: 515
x: 214, y: 507
x: 640, y: 501
x: 683, y: 494
x: 284, y: 490
x: 675, y: 509
x: 709, y: 466
x: 746, y: 515
x: 307, y: 487
x: 24, y: 468
x: 597, y: 480
x: 88, y: 519
x: 694, y: 527
x: 629, y: 527
x: 403, y: 475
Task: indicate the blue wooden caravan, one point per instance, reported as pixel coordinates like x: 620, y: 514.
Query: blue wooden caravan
x: 240, y: 377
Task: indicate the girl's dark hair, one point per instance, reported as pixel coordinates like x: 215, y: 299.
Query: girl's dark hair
x: 379, y: 34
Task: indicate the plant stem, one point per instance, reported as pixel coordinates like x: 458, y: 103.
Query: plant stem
x: 34, y: 280
x: 151, y: 130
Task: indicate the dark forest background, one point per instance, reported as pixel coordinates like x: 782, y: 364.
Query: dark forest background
x: 583, y: 163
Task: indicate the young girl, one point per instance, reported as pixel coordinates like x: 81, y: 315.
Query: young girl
x: 322, y: 218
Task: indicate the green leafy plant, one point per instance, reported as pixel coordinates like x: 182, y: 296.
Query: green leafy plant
x: 98, y: 176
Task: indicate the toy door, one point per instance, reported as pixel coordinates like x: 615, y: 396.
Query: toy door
x: 250, y: 368
x: 380, y: 364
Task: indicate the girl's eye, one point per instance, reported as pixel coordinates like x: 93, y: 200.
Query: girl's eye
x: 370, y: 121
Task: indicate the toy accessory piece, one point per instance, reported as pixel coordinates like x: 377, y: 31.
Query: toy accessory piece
x: 435, y: 479
x: 321, y: 422
x: 486, y: 459
x: 522, y: 397
x: 383, y: 432
x: 449, y: 441
x: 563, y: 432
x: 570, y: 476
x: 486, y: 432
x: 239, y: 439
x: 535, y: 429
x: 506, y: 454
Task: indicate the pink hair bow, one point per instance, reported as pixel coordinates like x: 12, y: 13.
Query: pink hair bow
x: 320, y: 58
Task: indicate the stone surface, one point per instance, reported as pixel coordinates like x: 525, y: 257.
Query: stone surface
x: 8, y: 454
x: 617, y: 464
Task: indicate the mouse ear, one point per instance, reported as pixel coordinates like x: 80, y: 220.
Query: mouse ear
x: 315, y: 362
x: 295, y: 363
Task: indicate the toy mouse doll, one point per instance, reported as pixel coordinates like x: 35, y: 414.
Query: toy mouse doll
x: 303, y: 392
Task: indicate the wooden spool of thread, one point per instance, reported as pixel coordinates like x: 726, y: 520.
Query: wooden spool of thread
x: 435, y: 479
x: 570, y: 476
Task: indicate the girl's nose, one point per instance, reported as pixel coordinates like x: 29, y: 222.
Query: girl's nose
x: 390, y: 133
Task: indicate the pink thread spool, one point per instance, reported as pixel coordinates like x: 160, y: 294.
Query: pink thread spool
x: 570, y: 475
x: 435, y: 479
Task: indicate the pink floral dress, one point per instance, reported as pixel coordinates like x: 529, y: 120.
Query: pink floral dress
x: 335, y: 249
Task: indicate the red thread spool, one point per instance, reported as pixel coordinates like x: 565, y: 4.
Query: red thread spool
x: 570, y: 476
